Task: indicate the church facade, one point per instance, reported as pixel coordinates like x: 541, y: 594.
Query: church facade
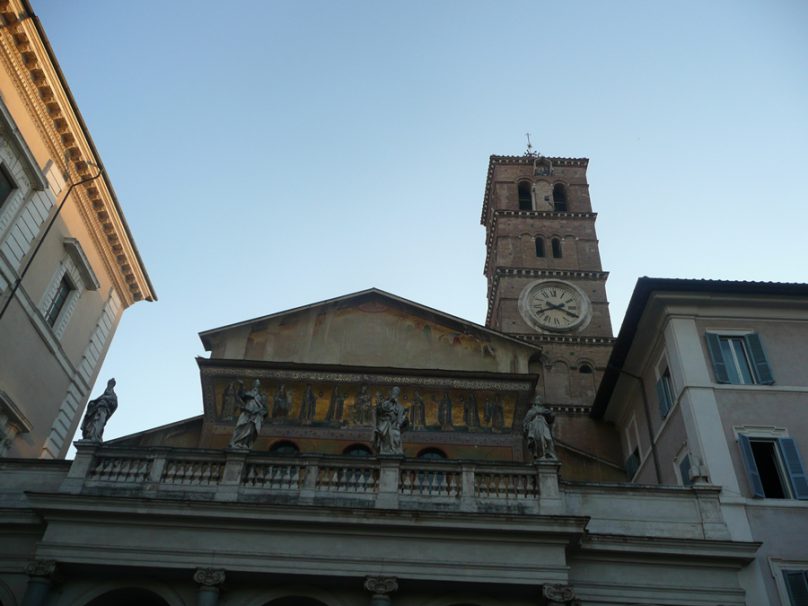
x: 369, y: 449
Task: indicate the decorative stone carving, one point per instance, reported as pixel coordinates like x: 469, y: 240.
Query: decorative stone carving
x: 380, y: 586
x: 253, y: 411
x: 98, y: 413
x: 559, y: 595
x: 41, y: 568
x: 391, y: 418
x: 537, y: 430
x: 209, y: 577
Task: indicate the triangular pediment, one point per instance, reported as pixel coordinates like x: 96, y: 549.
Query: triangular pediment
x: 370, y: 328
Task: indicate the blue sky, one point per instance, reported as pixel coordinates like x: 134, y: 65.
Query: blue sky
x: 273, y: 154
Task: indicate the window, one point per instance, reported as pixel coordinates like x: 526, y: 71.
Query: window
x: 739, y: 359
x: 525, y: 197
x: 684, y: 470
x: 435, y: 454
x: 7, y: 186
x: 585, y: 369
x: 797, y: 585
x: 357, y: 450
x: 773, y: 467
x: 59, y: 299
x: 556, y: 246
x: 664, y: 390
x: 539, y: 247
x: 632, y: 464
x: 559, y: 198
x: 284, y: 448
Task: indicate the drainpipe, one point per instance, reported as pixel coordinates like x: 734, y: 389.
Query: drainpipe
x: 657, y: 469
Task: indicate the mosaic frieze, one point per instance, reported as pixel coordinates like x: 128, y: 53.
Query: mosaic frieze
x: 342, y: 405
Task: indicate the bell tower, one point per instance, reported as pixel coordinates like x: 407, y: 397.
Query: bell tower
x: 545, y: 280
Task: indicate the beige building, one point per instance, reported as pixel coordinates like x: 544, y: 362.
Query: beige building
x: 68, y: 264
x: 707, y: 384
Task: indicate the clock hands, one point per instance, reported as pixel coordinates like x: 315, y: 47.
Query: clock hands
x: 559, y: 307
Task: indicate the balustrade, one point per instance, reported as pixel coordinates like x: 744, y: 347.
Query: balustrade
x: 465, y: 485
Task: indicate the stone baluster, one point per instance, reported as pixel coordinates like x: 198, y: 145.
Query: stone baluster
x: 209, y: 581
x: 380, y: 587
x: 40, y: 579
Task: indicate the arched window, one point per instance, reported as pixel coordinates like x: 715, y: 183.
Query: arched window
x: 556, y: 246
x: 559, y: 198
x: 585, y: 369
x: 525, y: 198
x: 435, y: 454
x: 284, y: 448
x: 539, y: 247
x: 357, y: 450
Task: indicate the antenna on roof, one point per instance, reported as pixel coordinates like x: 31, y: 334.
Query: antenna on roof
x: 529, y: 151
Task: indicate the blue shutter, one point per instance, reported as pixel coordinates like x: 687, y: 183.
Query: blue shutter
x: 755, y: 348
x: 791, y: 458
x: 797, y: 584
x: 662, y: 397
x: 751, y: 468
x: 719, y: 368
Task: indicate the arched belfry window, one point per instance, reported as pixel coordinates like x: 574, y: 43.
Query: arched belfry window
x: 559, y: 198
x: 556, y: 246
x: 539, y: 246
x: 525, y: 197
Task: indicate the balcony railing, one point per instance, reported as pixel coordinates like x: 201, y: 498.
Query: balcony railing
x: 380, y: 482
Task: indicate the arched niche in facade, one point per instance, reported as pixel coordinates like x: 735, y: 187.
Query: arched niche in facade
x: 128, y: 596
x: 295, y: 600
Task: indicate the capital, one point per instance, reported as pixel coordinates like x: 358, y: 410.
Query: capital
x: 209, y: 577
x: 381, y: 585
x: 559, y: 595
x: 41, y: 568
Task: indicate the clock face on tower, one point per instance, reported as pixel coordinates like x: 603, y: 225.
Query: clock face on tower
x: 554, y: 305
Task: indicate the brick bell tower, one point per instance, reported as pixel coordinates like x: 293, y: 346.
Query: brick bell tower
x: 545, y: 280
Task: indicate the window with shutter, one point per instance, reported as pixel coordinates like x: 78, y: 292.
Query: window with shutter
x: 774, y: 467
x: 664, y: 391
x: 738, y: 359
x: 797, y: 584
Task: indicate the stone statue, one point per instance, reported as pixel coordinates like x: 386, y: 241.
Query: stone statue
x: 98, y: 413
x: 418, y: 412
x: 308, y: 406
x: 335, y: 407
x: 536, y: 428
x: 253, y: 411
x: 471, y: 417
x: 391, y: 418
x: 445, y: 412
x: 282, y: 404
x: 363, y: 411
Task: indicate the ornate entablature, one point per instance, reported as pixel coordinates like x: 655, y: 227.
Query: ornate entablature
x: 527, y: 161
x: 36, y: 74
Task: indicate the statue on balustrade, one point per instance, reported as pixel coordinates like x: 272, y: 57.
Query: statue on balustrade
x: 391, y: 418
x: 98, y: 413
x: 537, y: 428
x: 253, y: 410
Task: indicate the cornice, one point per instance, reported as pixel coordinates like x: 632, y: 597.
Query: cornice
x: 37, y: 77
x: 566, y: 339
x: 525, y: 272
x: 551, y: 215
x: 494, y: 160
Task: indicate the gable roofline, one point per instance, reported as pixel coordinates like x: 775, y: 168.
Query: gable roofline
x: 205, y: 335
x: 643, y: 290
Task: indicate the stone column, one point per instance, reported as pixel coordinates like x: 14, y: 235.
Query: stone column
x: 209, y: 580
x: 40, y: 579
x: 559, y: 595
x: 380, y: 587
